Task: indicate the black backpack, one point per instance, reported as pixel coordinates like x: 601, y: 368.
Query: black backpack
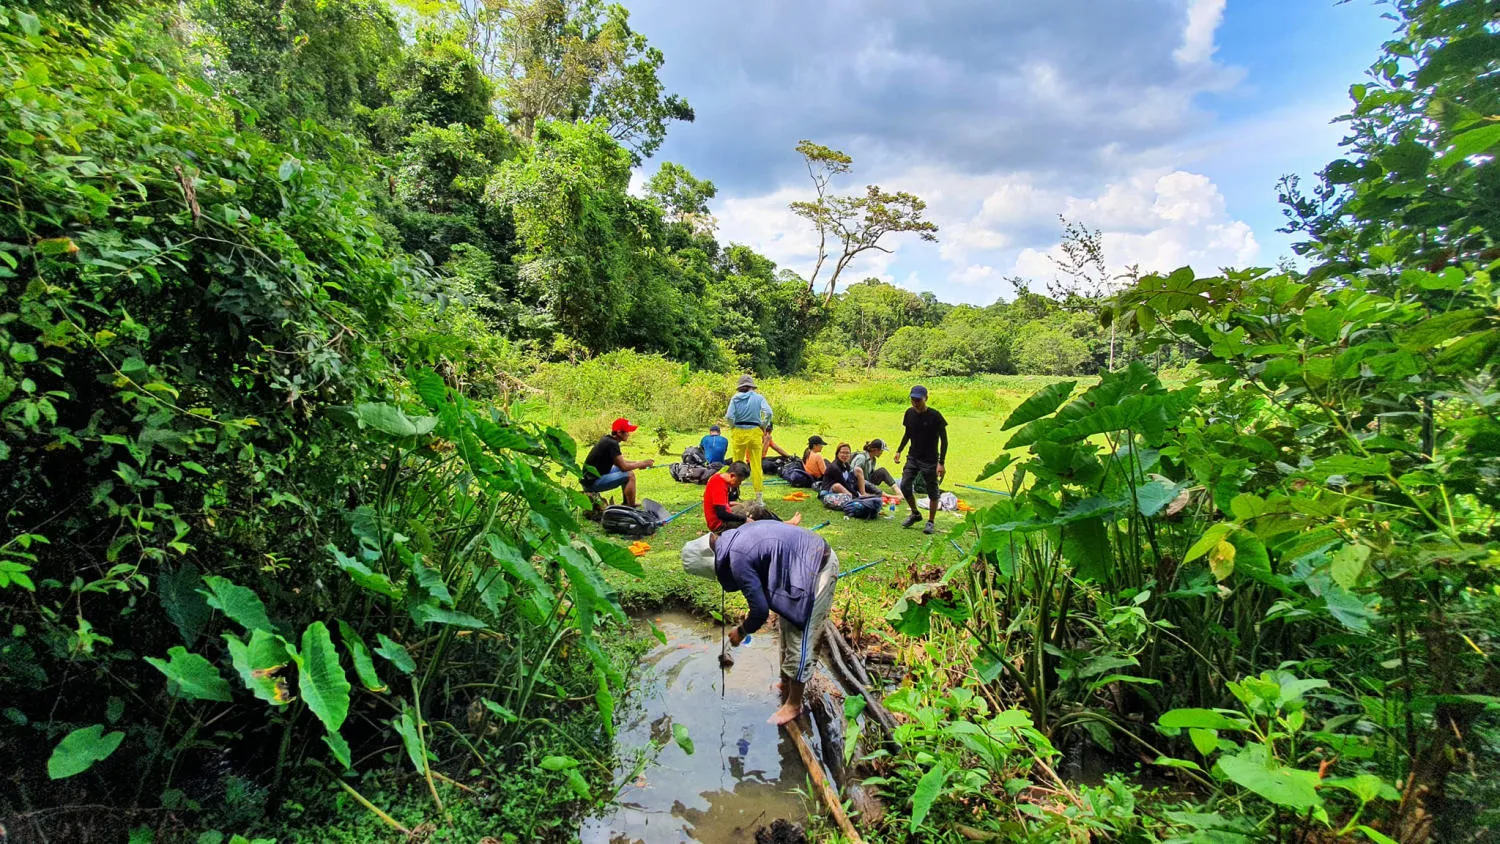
x: 863, y: 508
x: 685, y: 473
x: 774, y: 465
x: 631, y: 521
x: 693, y: 456
x: 795, y: 475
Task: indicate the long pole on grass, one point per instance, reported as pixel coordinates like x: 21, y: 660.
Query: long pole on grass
x: 983, y: 489
x: 861, y: 568
x: 680, y: 512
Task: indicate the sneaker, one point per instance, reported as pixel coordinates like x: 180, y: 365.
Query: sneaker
x: 911, y: 520
x: 930, y: 529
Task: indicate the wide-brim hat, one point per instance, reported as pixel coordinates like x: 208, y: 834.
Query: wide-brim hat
x: 747, y: 382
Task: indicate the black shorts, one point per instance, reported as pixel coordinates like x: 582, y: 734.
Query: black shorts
x: 919, y: 468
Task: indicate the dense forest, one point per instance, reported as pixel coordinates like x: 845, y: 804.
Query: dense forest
x: 270, y: 529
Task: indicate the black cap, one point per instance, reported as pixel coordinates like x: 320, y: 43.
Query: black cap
x: 816, y: 440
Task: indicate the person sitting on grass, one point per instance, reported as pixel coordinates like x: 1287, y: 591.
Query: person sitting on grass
x: 782, y: 567
x: 813, y: 462
x: 769, y: 445
x: 714, y: 446
x: 873, y: 476
x: 840, y: 477
x: 606, y: 468
x: 927, y: 431
x: 719, y: 514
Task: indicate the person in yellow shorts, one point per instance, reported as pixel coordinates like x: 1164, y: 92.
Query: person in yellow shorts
x: 749, y: 417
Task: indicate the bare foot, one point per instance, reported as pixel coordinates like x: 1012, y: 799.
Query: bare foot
x: 786, y: 713
x: 795, y: 520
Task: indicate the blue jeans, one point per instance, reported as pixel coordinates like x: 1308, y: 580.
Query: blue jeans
x: 613, y: 479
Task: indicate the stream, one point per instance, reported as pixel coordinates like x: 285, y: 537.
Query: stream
x: 744, y: 773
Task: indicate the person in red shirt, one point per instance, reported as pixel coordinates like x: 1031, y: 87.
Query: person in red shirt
x: 719, y: 514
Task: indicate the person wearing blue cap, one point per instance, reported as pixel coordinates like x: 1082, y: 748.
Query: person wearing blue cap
x: 927, y: 432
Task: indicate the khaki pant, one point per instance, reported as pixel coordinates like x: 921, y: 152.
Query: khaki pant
x: 799, y: 648
x: 746, y: 445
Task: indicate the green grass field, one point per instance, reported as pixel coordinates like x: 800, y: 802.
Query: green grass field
x: 839, y: 412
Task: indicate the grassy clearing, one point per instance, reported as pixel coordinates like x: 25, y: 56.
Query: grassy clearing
x: 839, y: 412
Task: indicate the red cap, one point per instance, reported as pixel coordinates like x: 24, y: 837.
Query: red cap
x: 622, y: 425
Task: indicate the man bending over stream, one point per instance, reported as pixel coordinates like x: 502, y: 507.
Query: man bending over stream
x: 778, y: 566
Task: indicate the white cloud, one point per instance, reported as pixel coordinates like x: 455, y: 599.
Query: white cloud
x: 1203, y: 19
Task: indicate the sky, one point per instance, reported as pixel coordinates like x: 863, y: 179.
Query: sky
x: 1164, y: 124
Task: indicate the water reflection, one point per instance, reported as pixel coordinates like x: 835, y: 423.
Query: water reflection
x: 744, y: 773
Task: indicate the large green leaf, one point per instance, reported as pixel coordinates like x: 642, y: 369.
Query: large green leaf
x: 680, y: 735
x: 80, y: 749
x: 320, y: 679
x: 178, y: 590
x: 394, y: 652
x: 390, y: 419
x: 433, y: 614
x: 260, y: 664
x: 1286, y: 787
x: 364, y: 666
x: 340, y: 749
x: 927, y: 791
x: 1203, y: 719
x: 411, y: 738
x: 1211, y: 537
x: 616, y: 556
x: 590, y: 594
x: 994, y: 467
x: 191, y: 676
x: 242, y: 605
x: 1041, y: 403
x: 362, y: 574
x: 540, y: 598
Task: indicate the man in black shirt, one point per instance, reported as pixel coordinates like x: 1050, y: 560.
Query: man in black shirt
x: 927, y: 431
x: 606, y: 468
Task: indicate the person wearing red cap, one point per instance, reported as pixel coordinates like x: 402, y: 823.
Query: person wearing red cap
x: 606, y: 468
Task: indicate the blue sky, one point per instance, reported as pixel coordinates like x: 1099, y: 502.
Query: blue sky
x: 1164, y: 123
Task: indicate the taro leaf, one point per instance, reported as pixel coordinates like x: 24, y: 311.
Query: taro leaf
x: 1349, y: 564
x: 994, y: 467
x: 541, y: 597
x: 320, y: 678
x: 1287, y: 787
x: 590, y: 593
x: 431, y: 614
x: 1087, y: 545
x: 605, y: 702
x: 340, y: 749
x: 616, y: 556
x: 394, y: 652
x: 178, y: 591
x: 430, y: 582
x: 191, y: 676
x: 1203, y: 719
x: 1152, y: 497
x: 1041, y: 403
x: 494, y: 590
x: 411, y: 737
x: 242, y: 605
x: 80, y: 749
x: 928, y: 787
x: 362, y: 575
x: 259, y: 663
x: 684, y: 741
x: 578, y: 784
x: 389, y: 419
x: 364, y: 665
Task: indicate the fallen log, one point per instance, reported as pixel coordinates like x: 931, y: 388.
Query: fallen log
x: 828, y: 717
x: 874, y: 709
x: 836, y: 636
x: 820, y: 783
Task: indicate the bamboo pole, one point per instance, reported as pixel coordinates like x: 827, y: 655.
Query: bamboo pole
x: 820, y: 783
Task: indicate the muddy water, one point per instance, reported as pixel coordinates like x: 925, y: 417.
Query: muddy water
x: 743, y: 772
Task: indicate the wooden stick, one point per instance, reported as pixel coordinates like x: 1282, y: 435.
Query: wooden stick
x: 820, y: 783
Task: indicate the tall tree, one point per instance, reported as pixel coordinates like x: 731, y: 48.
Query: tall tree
x: 573, y: 60
x: 856, y: 222
x: 683, y: 196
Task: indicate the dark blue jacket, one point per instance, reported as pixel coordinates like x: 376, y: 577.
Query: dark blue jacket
x: 775, y: 565
x: 714, y: 448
